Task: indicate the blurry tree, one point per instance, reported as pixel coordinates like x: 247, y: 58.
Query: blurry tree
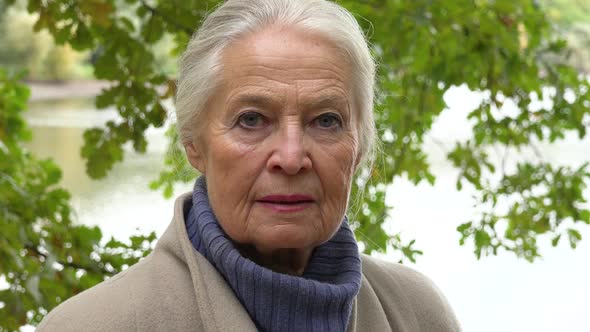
x: 567, y: 12
x: 503, y: 48
x: 572, y: 20
x: 44, y: 257
x: 14, y: 28
x: 42, y: 58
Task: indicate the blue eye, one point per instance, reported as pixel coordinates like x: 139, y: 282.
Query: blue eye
x: 251, y: 120
x: 328, y: 121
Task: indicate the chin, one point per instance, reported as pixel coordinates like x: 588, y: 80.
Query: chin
x: 287, y: 237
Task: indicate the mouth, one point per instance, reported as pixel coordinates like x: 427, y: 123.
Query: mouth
x: 286, y: 203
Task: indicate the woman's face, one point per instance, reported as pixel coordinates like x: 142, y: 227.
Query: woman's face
x: 279, y: 142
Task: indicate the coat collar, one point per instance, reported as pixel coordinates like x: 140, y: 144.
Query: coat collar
x: 219, y: 308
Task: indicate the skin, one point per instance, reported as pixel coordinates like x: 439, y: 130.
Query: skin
x: 281, y: 122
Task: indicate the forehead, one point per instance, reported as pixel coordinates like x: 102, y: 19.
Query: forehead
x: 281, y: 57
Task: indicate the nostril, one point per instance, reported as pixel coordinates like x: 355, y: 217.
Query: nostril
x: 289, y: 166
x: 289, y: 155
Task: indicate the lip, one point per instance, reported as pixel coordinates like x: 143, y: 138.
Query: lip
x: 286, y: 203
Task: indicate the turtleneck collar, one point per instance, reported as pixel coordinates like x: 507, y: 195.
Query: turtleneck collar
x: 319, y: 300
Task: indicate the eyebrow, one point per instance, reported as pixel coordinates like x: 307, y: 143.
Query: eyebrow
x: 268, y: 101
x: 327, y: 100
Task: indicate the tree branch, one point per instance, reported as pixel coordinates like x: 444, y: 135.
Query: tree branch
x: 504, y: 159
x: 537, y: 151
x: 94, y: 269
x: 166, y: 18
x: 438, y: 143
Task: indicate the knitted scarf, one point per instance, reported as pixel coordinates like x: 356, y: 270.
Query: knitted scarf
x: 319, y: 300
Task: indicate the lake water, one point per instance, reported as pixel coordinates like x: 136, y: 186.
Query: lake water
x: 494, y: 294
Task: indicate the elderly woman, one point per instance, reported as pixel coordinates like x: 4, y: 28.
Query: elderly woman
x: 274, y: 108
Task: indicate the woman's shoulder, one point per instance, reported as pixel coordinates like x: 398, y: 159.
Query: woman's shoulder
x: 395, y: 283
x: 140, y: 298
x: 376, y: 268
x: 87, y: 311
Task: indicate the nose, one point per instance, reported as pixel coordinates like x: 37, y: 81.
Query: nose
x: 289, y: 153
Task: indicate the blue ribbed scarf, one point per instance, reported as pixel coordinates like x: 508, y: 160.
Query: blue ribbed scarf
x: 319, y: 300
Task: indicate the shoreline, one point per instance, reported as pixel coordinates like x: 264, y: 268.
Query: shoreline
x: 51, y: 90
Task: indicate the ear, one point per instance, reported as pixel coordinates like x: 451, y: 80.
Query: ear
x: 195, y: 156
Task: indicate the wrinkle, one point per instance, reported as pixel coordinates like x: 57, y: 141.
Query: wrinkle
x: 291, y: 87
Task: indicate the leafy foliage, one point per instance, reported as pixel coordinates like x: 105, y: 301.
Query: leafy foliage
x: 506, y: 49
x: 539, y: 199
x: 39, y: 55
x: 499, y: 47
x: 44, y: 256
x: 176, y: 166
x: 567, y: 12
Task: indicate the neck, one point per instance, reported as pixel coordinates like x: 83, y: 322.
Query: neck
x: 321, y: 298
x: 292, y: 261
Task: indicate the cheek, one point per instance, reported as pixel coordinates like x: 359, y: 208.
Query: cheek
x: 342, y: 158
x: 229, y: 156
x: 233, y: 168
x: 335, y: 168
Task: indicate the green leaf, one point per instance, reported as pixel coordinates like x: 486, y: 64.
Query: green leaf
x: 574, y: 237
x: 555, y: 240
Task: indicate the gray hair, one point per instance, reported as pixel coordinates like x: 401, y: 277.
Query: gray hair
x: 200, y: 65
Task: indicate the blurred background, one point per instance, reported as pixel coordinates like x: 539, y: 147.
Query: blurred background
x: 547, y: 290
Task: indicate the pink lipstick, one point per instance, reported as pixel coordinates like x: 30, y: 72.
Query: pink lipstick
x: 286, y: 203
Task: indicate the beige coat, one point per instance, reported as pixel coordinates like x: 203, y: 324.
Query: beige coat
x: 177, y: 289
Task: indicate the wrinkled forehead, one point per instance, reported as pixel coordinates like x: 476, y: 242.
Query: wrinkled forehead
x: 285, y: 44
x: 278, y: 57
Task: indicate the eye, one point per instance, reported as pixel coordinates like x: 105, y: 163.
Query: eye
x: 328, y: 121
x: 251, y: 120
